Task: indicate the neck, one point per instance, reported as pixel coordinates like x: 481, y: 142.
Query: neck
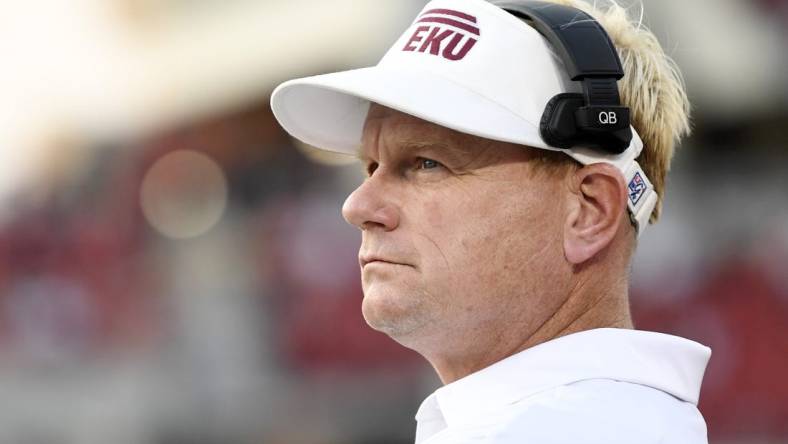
x: 590, y: 304
x: 604, y: 306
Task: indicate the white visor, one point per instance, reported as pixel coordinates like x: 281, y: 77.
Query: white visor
x: 466, y: 65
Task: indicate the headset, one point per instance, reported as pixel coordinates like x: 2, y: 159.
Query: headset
x: 595, y: 118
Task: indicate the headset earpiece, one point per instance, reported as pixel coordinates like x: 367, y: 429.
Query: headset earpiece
x: 595, y: 118
x: 558, y: 120
x: 567, y: 122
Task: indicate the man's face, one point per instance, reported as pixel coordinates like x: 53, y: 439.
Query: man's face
x: 460, y: 235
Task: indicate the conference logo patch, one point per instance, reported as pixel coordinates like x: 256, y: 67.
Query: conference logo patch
x: 637, y: 186
x: 445, y: 33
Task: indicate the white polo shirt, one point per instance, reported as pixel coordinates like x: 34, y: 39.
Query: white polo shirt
x: 602, y: 386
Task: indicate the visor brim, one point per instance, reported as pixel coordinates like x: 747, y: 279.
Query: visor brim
x: 329, y: 111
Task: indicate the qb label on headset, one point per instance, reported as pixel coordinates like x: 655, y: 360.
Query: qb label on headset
x: 608, y: 118
x: 602, y: 118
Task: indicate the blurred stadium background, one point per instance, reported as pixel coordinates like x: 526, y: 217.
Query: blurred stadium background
x: 175, y: 270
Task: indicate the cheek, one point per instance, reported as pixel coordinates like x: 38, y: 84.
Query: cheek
x: 492, y: 242
x: 440, y: 236
x: 434, y: 212
x: 454, y: 241
x: 494, y: 237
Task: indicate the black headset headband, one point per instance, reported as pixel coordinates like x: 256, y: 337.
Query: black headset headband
x: 596, y: 117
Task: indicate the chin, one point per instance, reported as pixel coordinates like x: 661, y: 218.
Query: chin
x: 398, y: 315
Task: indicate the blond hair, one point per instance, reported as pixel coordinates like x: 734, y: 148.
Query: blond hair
x: 652, y: 88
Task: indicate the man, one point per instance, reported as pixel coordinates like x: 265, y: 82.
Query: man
x: 502, y: 258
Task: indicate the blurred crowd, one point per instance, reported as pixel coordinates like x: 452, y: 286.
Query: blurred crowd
x: 197, y: 284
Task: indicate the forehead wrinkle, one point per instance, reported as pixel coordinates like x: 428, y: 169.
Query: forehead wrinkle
x: 403, y: 132
x: 426, y: 136
x: 362, y: 152
x: 400, y: 133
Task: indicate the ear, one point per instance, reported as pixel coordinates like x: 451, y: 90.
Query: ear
x: 598, y: 194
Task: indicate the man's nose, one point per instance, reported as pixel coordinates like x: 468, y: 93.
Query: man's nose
x: 370, y: 206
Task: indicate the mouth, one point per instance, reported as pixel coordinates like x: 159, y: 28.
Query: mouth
x: 367, y: 260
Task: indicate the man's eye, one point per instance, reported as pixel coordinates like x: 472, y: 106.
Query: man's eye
x: 427, y: 164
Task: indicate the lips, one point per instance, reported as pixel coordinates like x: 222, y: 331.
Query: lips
x: 363, y: 260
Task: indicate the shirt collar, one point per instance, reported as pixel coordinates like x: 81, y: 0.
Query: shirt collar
x: 668, y: 363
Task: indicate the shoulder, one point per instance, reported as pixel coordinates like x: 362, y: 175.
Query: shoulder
x: 599, y: 411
